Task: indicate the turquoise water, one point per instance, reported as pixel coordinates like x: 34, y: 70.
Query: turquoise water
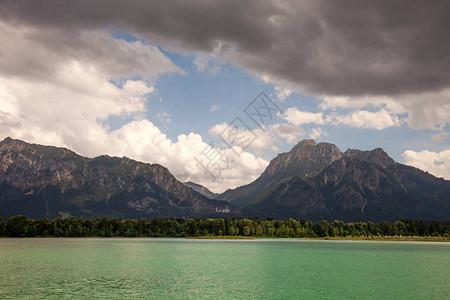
x: 217, y: 269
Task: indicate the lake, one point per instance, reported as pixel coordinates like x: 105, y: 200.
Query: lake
x: 222, y: 269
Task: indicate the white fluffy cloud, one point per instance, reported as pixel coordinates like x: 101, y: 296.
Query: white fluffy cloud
x: 315, y: 133
x: 378, y: 120
x: 259, y: 140
x: 188, y: 157
x: 288, y: 132
x: 436, y: 163
x: 333, y: 102
x: 297, y: 117
x: 66, y: 116
x: 61, y: 97
x: 380, y: 112
x: 429, y: 110
x: 282, y: 92
x: 59, y: 89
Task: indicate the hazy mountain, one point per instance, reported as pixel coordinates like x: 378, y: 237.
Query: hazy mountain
x: 201, y: 189
x: 317, y: 181
x: 43, y: 181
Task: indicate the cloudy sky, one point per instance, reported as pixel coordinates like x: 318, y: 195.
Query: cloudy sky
x: 215, y: 89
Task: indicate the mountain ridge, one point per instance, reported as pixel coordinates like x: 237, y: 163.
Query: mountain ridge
x: 312, y: 181
x: 356, y: 185
x: 307, y: 158
x: 201, y: 189
x: 47, y: 181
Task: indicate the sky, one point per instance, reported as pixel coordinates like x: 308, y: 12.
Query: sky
x: 213, y: 90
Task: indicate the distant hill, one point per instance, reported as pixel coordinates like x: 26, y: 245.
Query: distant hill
x: 201, y: 189
x: 318, y: 181
x: 43, y: 181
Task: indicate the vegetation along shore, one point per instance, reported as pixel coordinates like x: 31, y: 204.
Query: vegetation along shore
x: 414, y: 230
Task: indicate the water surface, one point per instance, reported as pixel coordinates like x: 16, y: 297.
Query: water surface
x: 222, y: 269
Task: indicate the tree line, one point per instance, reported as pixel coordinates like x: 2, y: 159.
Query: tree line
x: 21, y: 226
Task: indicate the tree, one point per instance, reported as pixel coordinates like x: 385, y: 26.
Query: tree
x: 2, y: 227
x: 321, y: 228
x: 399, y: 228
x: 231, y: 230
x: 17, y: 226
x: 435, y: 228
x: 21, y: 226
x: 246, y: 231
x: 130, y: 230
x: 259, y: 230
x: 191, y: 226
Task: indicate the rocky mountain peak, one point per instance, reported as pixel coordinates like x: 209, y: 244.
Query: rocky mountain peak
x: 303, y: 148
x: 307, y: 159
x: 306, y: 142
x: 9, y: 143
x: 312, y: 149
x: 377, y: 156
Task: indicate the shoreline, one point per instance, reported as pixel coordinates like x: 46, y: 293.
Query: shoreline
x: 348, y: 238
x: 252, y: 238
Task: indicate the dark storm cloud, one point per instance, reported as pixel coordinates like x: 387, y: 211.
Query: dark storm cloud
x: 327, y: 47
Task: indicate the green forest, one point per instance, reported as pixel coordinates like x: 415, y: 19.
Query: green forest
x: 21, y: 226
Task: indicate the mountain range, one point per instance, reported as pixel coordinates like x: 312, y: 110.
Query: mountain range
x: 317, y: 181
x: 44, y: 181
x: 313, y: 181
